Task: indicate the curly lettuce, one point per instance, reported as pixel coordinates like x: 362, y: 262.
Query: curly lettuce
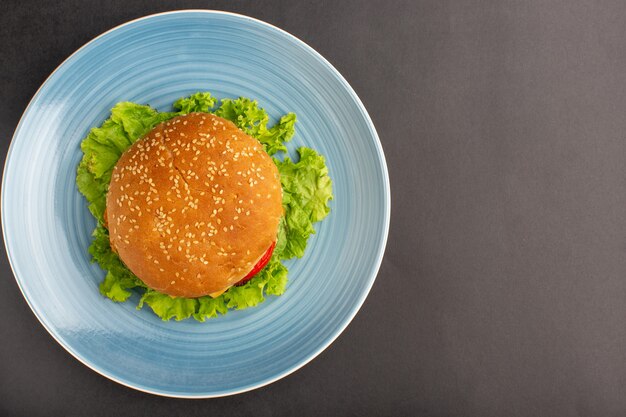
x: 252, y: 119
x: 307, y: 190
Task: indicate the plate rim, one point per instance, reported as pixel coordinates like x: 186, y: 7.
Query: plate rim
x: 357, y: 305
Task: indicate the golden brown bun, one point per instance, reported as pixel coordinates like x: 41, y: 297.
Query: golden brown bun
x: 193, y: 205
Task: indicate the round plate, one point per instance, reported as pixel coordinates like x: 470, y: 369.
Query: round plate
x: 155, y: 60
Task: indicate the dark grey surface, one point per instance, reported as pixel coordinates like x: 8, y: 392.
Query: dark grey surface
x: 503, y: 289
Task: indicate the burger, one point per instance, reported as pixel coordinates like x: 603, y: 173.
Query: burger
x: 197, y: 208
x: 193, y: 207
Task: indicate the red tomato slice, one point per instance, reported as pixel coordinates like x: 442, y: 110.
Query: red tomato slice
x: 259, y: 265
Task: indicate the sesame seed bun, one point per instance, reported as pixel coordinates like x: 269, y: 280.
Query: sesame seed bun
x: 193, y: 205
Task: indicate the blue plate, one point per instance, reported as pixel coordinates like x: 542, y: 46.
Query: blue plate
x: 47, y: 227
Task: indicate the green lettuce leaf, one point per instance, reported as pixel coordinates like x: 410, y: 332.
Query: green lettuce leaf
x: 209, y: 307
x: 272, y: 279
x: 274, y: 138
x: 136, y: 120
x: 244, y: 113
x: 119, y: 279
x: 168, y: 307
x: 253, y: 120
x: 104, y: 145
x: 306, y: 190
x: 201, y: 102
x: 276, y: 274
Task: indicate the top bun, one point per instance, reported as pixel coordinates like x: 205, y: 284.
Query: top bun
x: 193, y: 205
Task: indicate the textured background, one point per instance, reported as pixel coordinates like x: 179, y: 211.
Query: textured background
x: 503, y: 289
